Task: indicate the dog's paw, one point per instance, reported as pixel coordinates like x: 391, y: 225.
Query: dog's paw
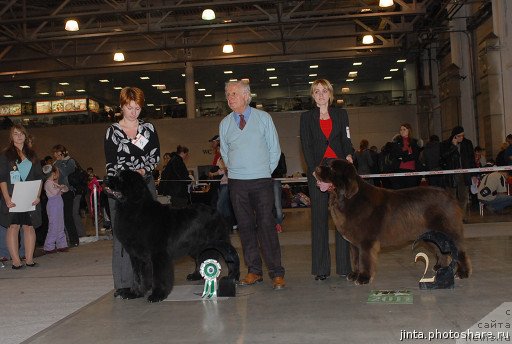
x: 126, y: 294
x: 352, y: 276
x: 157, y: 296
x: 362, y: 279
x: 462, y: 273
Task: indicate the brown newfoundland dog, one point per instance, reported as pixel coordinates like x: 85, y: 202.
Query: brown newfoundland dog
x: 371, y: 218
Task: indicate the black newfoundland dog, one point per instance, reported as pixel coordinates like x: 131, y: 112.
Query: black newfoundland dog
x: 154, y: 234
x: 370, y: 217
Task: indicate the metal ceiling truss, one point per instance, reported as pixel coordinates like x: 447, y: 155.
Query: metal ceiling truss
x: 33, y: 39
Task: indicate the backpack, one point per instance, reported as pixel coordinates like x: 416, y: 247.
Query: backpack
x: 78, y: 180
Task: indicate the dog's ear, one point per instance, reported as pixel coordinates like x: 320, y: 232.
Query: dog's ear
x: 352, y: 187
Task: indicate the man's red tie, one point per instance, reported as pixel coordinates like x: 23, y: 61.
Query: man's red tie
x: 242, y: 122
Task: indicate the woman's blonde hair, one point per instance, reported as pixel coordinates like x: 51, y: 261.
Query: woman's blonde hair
x: 325, y: 83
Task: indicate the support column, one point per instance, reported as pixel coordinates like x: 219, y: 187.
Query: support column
x: 462, y: 54
x: 190, y: 90
x: 502, y: 23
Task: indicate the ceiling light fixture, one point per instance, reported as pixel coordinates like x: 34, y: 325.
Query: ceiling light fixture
x: 119, y: 56
x: 208, y: 14
x: 367, y: 39
x: 71, y: 25
x: 227, y: 48
x: 386, y: 3
x: 401, y: 61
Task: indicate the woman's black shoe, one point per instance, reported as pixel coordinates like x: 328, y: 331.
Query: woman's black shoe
x: 17, y: 267
x: 31, y: 265
x: 320, y: 277
x: 195, y: 276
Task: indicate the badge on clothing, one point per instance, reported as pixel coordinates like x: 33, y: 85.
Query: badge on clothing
x: 15, y: 176
x: 140, y: 141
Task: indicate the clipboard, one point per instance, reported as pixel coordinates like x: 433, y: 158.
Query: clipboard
x: 23, y: 195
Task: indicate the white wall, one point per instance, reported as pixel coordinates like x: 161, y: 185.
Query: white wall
x: 85, y: 142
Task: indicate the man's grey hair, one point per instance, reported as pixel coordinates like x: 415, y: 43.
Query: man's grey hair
x: 243, y: 85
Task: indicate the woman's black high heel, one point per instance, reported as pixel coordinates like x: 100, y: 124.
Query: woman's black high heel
x: 17, y: 267
x: 31, y: 265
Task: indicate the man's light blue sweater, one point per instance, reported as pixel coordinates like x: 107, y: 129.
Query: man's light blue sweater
x: 253, y: 152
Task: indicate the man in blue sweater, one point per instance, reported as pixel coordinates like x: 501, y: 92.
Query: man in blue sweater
x: 249, y: 146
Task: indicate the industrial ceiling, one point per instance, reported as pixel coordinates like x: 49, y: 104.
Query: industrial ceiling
x: 159, y: 37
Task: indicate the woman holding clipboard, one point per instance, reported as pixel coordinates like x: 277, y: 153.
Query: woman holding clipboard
x: 19, y: 163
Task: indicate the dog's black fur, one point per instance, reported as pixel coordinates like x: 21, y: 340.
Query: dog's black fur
x: 154, y: 234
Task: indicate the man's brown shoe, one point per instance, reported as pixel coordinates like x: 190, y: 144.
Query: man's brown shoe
x: 278, y: 283
x: 251, y: 279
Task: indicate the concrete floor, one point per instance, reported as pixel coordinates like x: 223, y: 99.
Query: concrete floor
x: 69, y: 298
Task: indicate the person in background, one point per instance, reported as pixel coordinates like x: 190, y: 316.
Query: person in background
x: 431, y: 156
x: 500, y: 157
x: 493, y: 191
x: 324, y: 135
x: 19, y: 163
x: 363, y: 160
x: 92, y: 182
x: 131, y: 144
x: 279, y: 172
x: 249, y: 146
x: 224, y: 201
x: 480, y: 160
x: 374, y: 153
x: 213, y: 173
x: 66, y: 166
x: 176, y: 171
x: 162, y: 183
x: 407, y: 151
x: 508, y: 152
x: 457, y: 152
x: 56, y: 237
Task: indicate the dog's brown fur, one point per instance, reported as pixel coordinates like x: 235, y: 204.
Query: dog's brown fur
x: 371, y: 218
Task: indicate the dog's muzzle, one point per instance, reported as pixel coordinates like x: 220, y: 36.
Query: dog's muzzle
x: 323, y: 186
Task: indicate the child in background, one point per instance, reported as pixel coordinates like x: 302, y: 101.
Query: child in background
x: 56, y: 237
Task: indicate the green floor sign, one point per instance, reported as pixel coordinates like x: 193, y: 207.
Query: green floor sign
x: 390, y: 296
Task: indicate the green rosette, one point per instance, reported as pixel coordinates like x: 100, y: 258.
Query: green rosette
x: 210, y: 270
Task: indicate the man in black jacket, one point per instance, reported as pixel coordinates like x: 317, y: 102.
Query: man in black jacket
x: 457, y: 152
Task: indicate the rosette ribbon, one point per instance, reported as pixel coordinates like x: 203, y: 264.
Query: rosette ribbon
x: 210, y: 270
